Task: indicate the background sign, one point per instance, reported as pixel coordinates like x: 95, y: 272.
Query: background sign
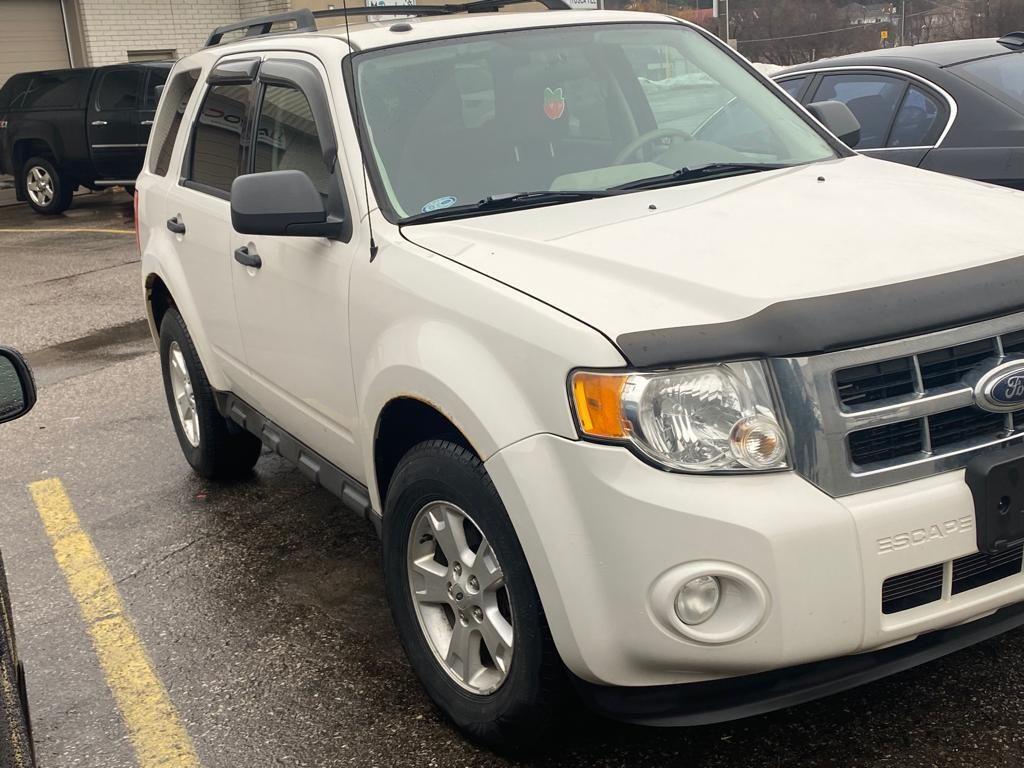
x: 373, y: 3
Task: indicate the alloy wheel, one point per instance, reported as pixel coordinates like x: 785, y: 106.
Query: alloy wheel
x: 184, y: 397
x: 460, y: 597
x: 39, y: 185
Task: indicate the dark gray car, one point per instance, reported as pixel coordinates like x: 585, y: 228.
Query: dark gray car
x: 954, y: 107
x: 17, y: 396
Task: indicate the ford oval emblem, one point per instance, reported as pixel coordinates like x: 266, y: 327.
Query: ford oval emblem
x: 1002, y: 388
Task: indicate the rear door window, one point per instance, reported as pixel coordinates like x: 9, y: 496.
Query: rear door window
x: 13, y: 91
x: 919, y: 122
x: 873, y: 99
x: 61, y: 89
x: 218, y: 140
x: 119, y: 89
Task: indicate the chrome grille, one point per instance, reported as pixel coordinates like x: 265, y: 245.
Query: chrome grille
x: 884, y: 414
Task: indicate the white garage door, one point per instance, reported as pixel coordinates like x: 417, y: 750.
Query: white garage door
x: 31, y: 37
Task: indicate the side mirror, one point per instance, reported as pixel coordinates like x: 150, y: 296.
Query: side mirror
x: 17, y: 387
x: 280, y: 203
x: 838, y: 118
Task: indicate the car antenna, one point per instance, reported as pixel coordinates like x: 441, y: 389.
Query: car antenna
x: 359, y: 134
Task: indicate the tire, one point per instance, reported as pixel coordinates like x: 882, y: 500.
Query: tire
x: 47, y: 191
x: 16, y: 747
x: 216, y: 448
x: 517, y: 712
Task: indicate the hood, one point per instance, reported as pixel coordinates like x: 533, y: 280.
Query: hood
x: 722, y: 250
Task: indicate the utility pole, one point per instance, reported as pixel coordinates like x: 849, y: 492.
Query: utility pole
x: 723, y: 19
x: 903, y: 22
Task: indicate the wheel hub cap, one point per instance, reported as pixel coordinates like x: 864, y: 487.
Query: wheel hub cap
x: 184, y: 397
x: 459, y: 593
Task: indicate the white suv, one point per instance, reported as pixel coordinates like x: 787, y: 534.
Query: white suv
x: 655, y: 391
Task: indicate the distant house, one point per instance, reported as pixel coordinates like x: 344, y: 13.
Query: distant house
x: 870, y: 13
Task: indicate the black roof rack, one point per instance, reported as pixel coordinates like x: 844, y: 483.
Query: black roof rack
x: 304, y: 20
x: 1012, y: 40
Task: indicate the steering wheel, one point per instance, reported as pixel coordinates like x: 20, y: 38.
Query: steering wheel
x: 647, y: 138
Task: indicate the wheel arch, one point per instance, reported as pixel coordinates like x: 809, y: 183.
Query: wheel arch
x: 158, y: 301
x: 163, y: 289
x: 403, y: 423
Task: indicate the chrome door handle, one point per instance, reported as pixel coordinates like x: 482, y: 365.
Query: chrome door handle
x: 146, y: 122
x: 99, y: 122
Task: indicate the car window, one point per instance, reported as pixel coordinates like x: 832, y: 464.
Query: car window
x: 793, y: 86
x: 1000, y: 76
x: 919, y: 121
x: 286, y: 139
x: 681, y: 95
x: 12, y: 91
x: 118, y: 89
x: 168, y: 123
x: 156, y: 77
x: 873, y: 99
x: 52, y: 90
x: 217, y: 142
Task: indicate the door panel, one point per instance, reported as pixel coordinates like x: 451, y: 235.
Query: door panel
x: 293, y: 310
x: 113, y: 123
x: 200, y: 203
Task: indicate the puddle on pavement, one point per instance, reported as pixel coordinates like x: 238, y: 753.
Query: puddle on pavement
x: 91, y: 353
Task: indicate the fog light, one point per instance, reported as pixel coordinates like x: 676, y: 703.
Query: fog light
x: 698, y: 600
x: 758, y: 442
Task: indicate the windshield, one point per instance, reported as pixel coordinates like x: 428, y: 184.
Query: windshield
x: 1001, y: 76
x: 592, y: 107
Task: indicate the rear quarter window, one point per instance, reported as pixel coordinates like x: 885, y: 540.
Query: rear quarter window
x: 168, y: 121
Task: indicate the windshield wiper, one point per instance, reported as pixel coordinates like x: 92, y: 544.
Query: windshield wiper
x: 711, y: 170
x: 508, y: 201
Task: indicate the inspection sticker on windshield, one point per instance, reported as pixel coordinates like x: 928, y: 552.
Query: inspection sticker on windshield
x: 439, y: 203
x: 554, y: 103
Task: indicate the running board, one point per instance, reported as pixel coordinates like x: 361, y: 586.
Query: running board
x: 115, y: 183
x: 331, y: 478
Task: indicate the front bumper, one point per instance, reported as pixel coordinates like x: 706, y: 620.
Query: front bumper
x: 601, y: 529
x: 718, y: 701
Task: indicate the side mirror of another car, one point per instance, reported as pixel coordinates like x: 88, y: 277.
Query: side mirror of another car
x: 281, y: 203
x: 17, y: 387
x: 838, y: 118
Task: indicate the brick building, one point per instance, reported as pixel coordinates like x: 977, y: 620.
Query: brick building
x: 48, y: 34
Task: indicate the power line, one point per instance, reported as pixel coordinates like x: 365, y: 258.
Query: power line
x: 813, y: 34
x: 936, y: 7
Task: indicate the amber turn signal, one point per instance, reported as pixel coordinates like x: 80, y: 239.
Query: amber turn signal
x: 598, y: 400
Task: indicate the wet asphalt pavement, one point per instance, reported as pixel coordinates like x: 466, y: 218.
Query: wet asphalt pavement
x: 261, y: 604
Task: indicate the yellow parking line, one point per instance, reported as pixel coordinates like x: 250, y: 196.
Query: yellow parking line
x: 155, y: 729
x: 71, y: 230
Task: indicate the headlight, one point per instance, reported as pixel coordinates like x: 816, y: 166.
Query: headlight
x: 708, y: 419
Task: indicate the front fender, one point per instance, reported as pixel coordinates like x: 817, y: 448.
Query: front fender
x: 493, y: 360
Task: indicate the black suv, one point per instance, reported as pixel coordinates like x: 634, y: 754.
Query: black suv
x: 62, y: 129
